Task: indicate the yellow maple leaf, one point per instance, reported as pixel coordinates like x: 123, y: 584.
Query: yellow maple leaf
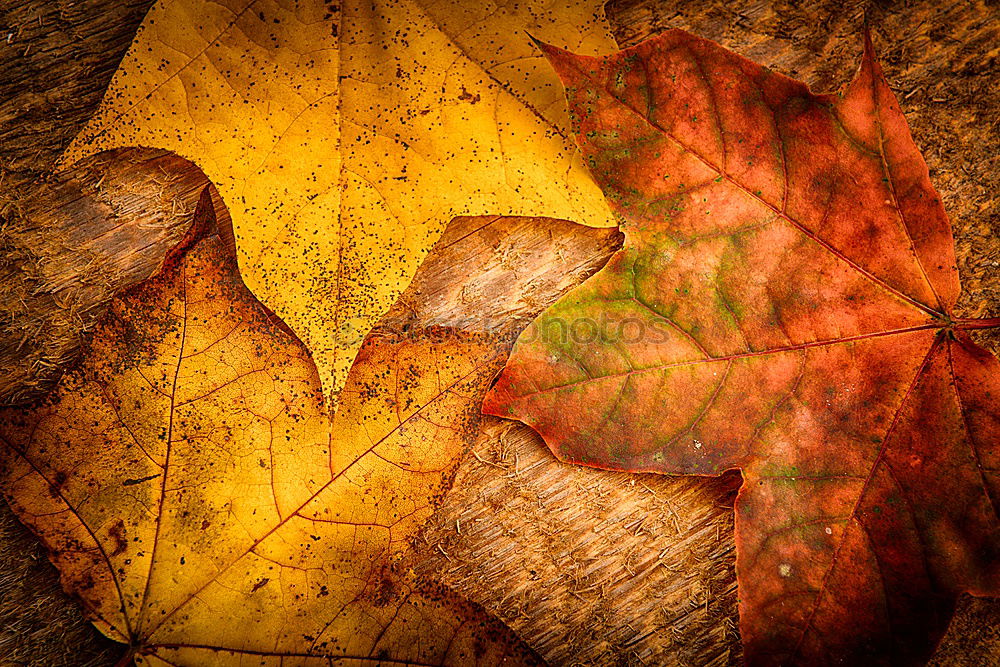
x: 343, y: 138
x: 199, y: 500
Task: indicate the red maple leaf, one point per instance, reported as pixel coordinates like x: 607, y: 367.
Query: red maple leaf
x: 782, y: 305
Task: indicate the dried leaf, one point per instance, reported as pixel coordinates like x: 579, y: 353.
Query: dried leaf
x: 782, y: 305
x: 344, y: 137
x: 196, y: 496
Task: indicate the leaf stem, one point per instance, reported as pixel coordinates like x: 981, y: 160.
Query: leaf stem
x: 974, y: 323
x: 127, y: 659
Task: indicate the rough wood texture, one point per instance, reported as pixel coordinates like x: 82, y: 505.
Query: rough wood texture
x: 56, y: 57
x: 69, y: 244
x: 62, y: 253
x: 589, y: 567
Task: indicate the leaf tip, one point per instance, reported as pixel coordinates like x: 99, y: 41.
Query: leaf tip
x: 556, y: 56
x: 203, y: 224
x: 866, y: 31
x: 500, y: 399
x: 492, y: 403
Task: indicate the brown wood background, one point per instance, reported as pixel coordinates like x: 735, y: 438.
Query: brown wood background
x: 589, y: 567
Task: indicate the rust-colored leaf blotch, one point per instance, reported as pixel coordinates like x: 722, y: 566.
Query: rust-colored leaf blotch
x: 782, y: 305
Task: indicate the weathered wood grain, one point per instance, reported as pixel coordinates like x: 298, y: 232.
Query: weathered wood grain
x: 589, y: 567
x: 68, y: 244
x: 56, y: 57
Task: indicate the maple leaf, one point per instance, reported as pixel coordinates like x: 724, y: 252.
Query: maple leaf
x: 343, y: 138
x: 782, y: 305
x: 203, y: 505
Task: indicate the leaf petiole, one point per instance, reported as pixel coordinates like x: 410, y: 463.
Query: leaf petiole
x: 978, y: 323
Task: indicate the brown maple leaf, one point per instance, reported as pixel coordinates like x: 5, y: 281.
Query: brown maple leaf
x: 783, y: 306
x: 198, y: 498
